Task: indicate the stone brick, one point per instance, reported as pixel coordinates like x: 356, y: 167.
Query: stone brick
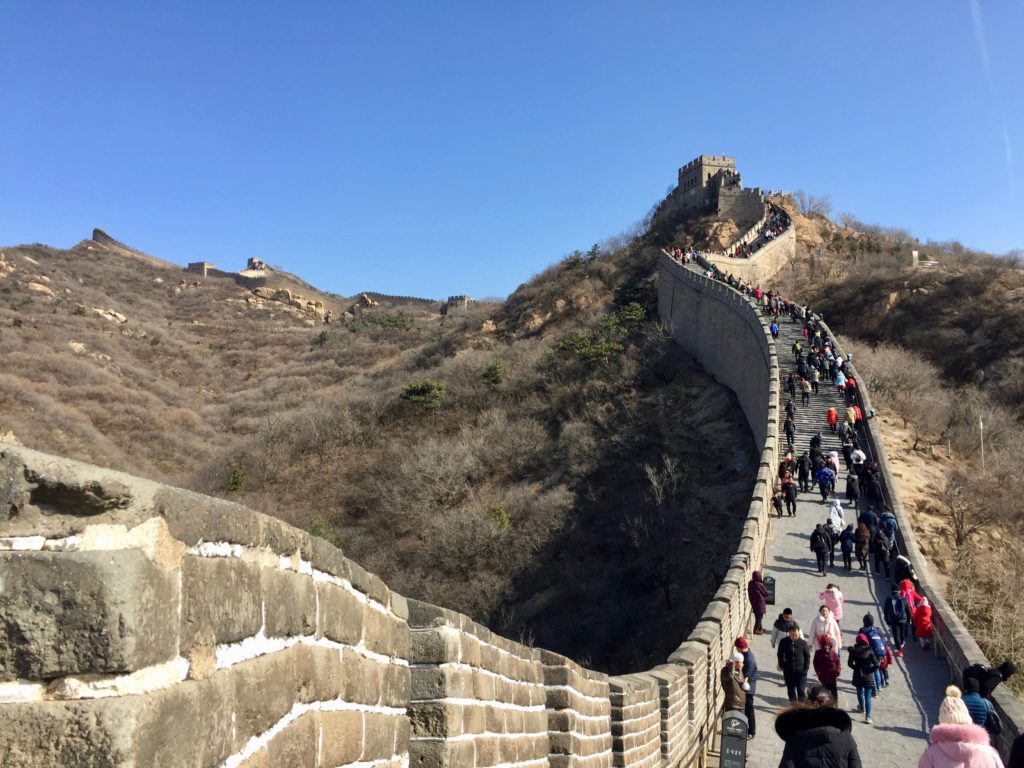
x: 434, y: 646
x: 319, y: 673
x: 296, y: 745
x: 289, y: 603
x: 341, y: 614
x: 220, y: 600
x: 264, y: 692
x: 425, y: 753
x: 342, y: 737
x: 379, y: 736
x: 192, y: 517
x: 381, y: 631
x: 70, y: 613
x: 437, y: 719
x: 362, y: 678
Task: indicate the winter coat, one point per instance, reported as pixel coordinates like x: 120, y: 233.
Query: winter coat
x: 827, y: 627
x: 863, y: 540
x: 847, y: 539
x: 835, y: 516
x: 781, y: 628
x: 908, y: 591
x: 923, y: 621
x: 732, y: 687
x: 819, y: 541
x: 959, y: 746
x: 851, y: 415
x: 833, y: 417
x: 863, y: 663
x: 827, y: 665
x: 889, y: 610
x: 834, y: 599
x: 757, y: 593
x: 818, y: 737
x: 852, y: 487
x: 750, y: 670
x: 794, y: 656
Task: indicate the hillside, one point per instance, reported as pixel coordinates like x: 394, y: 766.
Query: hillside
x: 492, y: 460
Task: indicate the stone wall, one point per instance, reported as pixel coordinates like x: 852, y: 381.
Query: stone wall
x: 154, y: 626
x: 766, y: 262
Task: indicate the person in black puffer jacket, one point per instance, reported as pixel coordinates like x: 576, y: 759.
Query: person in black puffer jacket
x: 817, y: 735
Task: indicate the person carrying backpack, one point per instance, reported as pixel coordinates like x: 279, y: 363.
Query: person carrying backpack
x: 882, y: 546
x: 820, y: 546
x: 897, y: 615
x: 847, y: 540
x: 803, y: 471
x: 877, y: 645
x: 864, y: 664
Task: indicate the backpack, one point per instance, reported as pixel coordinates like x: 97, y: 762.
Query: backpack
x: 877, y: 643
x: 898, y: 610
x: 889, y: 526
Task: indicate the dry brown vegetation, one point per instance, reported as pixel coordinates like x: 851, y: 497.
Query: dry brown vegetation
x: 491, y: 462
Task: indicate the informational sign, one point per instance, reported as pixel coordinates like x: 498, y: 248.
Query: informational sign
x: 769, y: 583
x: 734, y: 740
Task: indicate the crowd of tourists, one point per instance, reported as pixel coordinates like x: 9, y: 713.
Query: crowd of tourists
x: 862, y: 526
x: 776, y: 222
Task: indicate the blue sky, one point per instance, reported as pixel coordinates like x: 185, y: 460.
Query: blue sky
x: 460, y: 147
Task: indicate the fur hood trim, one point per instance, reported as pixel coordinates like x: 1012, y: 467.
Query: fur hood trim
x: 968, y: 734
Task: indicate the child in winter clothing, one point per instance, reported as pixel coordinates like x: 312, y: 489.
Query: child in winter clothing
x: 828, y: 666
x: 883, y: 665
x: 834, y: 599
x: 923, y: 623
x: 956, y: 741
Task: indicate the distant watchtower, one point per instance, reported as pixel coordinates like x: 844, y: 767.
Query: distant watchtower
x: 701, y: 180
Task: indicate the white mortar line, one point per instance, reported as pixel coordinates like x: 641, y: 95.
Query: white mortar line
x: 577, y: 693
x: 260, y: 741
x: 502, y: 705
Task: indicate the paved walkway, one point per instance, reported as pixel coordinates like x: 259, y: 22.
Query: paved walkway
x: 905, y: 710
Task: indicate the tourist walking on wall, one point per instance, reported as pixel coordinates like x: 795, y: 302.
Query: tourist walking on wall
x: 824, y: 625
x: 863, y: 538
x: 817, y: 734
x: 820, y: 546
x: 783, y: 624
x: 847, y: 541
x: 852, y: 490
x: 834, y: 599
x: 803, y: 471
x: 956, y: 742
x: 828, y: 666
x: 832, y: 416
x: 864, y: 665
x: 749, y: 671
x: 897, y: 614
x: 923, y: 623
x: 790, y: 429
x: 789, y: 493
x: 826, y: 481
x: 794, y: 657
x: 881, y: 545
x: 805, y: 391
x: 979, y: 707
x: 877, y: 645
x: 757, y: 594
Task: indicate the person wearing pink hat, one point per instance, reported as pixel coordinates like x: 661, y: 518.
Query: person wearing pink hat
x: 956, y: 741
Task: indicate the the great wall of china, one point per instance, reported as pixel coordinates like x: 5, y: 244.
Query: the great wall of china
x: 145, y: 625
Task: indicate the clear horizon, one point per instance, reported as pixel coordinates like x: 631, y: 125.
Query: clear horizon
x: 461, y: 149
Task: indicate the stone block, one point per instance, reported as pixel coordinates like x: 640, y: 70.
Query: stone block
x: 435, y: 719
x: 362, y: 678
x: 192, y: 517
x: 319, y: 673
x: 221, y: 601
x: 341, y: 614
x: 342, y: 737
x: 296, y: 745
x: 425, y: 753
x: 380, y: 732
x: 434, y: 646
x: 264, y: 692
x: 71, y: 613
x: 290, y: 603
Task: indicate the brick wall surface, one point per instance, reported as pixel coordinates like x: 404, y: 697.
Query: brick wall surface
x: 154, y: 626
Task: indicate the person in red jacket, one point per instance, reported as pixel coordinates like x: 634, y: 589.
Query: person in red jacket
x: 828, y: 666
x: 923, y: 623
x: 833, y: 419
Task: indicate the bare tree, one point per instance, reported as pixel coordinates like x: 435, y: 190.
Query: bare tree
x: 812, y: 204
x: 656, y: 528
x: 966, y: 509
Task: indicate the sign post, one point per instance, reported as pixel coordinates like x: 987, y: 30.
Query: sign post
x: 734, y: 740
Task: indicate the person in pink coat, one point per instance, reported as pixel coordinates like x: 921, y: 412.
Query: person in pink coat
x: 956, y: 742
x: 923, y: 622
x: 834, y: 599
